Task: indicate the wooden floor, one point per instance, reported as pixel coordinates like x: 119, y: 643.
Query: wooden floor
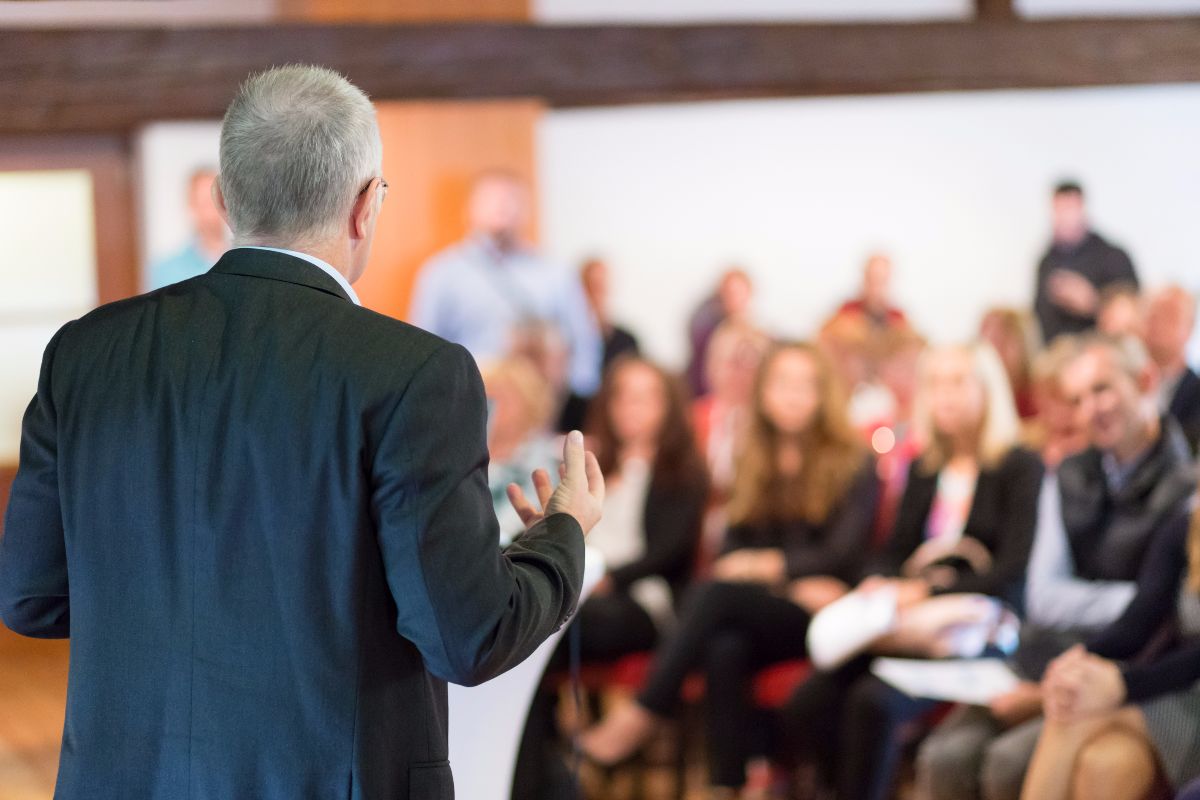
x: 33, y: 689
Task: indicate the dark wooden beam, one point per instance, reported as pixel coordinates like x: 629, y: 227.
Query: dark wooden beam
x: 995, y: 9
x: 114, y: 79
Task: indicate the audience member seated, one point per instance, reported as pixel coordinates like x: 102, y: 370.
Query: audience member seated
x: 858, y: 337
x: 965, y: 525
x: 892, y: 437
x: 1096, y: 516
x: 1076, y: 268
x: 1007, y: 331
x: 721, y: 417
x: 800, y: 521
x: 480, y: 291
x: 874, y: 301
x: 618, y: 341
x: 657, y: 487
x: 1060, y: 428
x: 520, y: 408
x: 1115, y: 728
x: 1120, y: 312
x: 729, y: 301
x: 1170, y: 317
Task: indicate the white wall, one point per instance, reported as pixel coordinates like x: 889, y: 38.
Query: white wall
x: 955, y: 186
x: 47, y: 277
x: 167, y: 153
x: 1107, y: 8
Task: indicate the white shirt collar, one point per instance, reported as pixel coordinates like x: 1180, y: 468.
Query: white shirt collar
x: 316, y: 262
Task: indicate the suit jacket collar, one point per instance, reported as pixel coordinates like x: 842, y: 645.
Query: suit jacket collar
x: 1186, y: 391
x: 277, y: 267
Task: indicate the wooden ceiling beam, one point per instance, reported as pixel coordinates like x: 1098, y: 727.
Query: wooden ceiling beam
x: 115, y: 79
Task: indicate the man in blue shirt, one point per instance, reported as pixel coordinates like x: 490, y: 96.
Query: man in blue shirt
x: 209, y: 240
x: 490, y: 290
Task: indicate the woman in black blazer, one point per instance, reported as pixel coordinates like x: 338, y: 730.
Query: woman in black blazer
x: 965, y: 524
x: 657, y: 489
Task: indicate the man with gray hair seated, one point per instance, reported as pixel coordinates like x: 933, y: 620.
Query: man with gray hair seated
x: 1097, y: 515
x: 261, y: 512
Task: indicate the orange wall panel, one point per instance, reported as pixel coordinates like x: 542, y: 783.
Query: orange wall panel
x: 403, y: 10
x: 431, y: 152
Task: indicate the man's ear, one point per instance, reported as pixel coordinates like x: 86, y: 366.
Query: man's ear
x: 365, y: 208
x: 218, y: 198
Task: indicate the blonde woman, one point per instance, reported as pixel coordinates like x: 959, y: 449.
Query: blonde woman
x: 965, y: 525
x: 520, y: 407
x: 1116, y: 730
x: 803, y: 501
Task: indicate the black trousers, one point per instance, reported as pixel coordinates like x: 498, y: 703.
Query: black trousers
x: 849, y: 722
x: 730, y: 630
x: 609, y: 627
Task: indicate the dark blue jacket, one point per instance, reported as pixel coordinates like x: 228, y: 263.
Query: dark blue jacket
x: 261, y: 515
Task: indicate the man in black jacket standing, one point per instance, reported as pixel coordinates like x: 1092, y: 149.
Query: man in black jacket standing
x: 261, y: 512
x: 1079, y: 265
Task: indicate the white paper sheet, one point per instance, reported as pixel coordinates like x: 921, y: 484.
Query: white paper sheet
x: 976, y: 681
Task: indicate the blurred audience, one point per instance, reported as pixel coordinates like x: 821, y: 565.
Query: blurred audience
x: 520, y: 407
x: 618, y: 341
x: 594, y: 277
x: 800, y: 521
x: 1007, y: 330
x: 1170, y: 319
x: 1120, y: 311
x: 729, y: 301
x: 210, y: 236
x: 1096, y: 517
x: 965, y: 525
x: 874, y: 301
x: 486, y: 290
x: 1076, y: 268
x: 656, y: 491
x: 1060, y: 428
x: 721, y: 418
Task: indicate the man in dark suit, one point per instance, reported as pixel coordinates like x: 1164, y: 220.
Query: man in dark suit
x: 1077, y: 267
x: 261, y: 512
x: 1170, y: 318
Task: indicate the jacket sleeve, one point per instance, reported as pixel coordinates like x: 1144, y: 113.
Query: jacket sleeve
x: 1157, y: 592
x: 473, y: 610
x: 34, y: 590
x: 1020, y: 484
x: 847, y: 536
x: 672, y: 521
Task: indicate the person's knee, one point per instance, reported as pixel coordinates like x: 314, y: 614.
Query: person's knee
x: 1111, y: 759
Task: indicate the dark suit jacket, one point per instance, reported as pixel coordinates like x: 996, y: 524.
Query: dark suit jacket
x: 261, y: 514
x: 1101, y: 262
x: 1003, y: 517
x: 1185, y: 408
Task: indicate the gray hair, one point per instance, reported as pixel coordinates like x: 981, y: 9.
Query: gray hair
x: 298, y: 144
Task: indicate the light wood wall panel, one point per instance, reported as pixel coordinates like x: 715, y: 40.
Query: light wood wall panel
x: 431, y: 153
x: 402, y: 10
